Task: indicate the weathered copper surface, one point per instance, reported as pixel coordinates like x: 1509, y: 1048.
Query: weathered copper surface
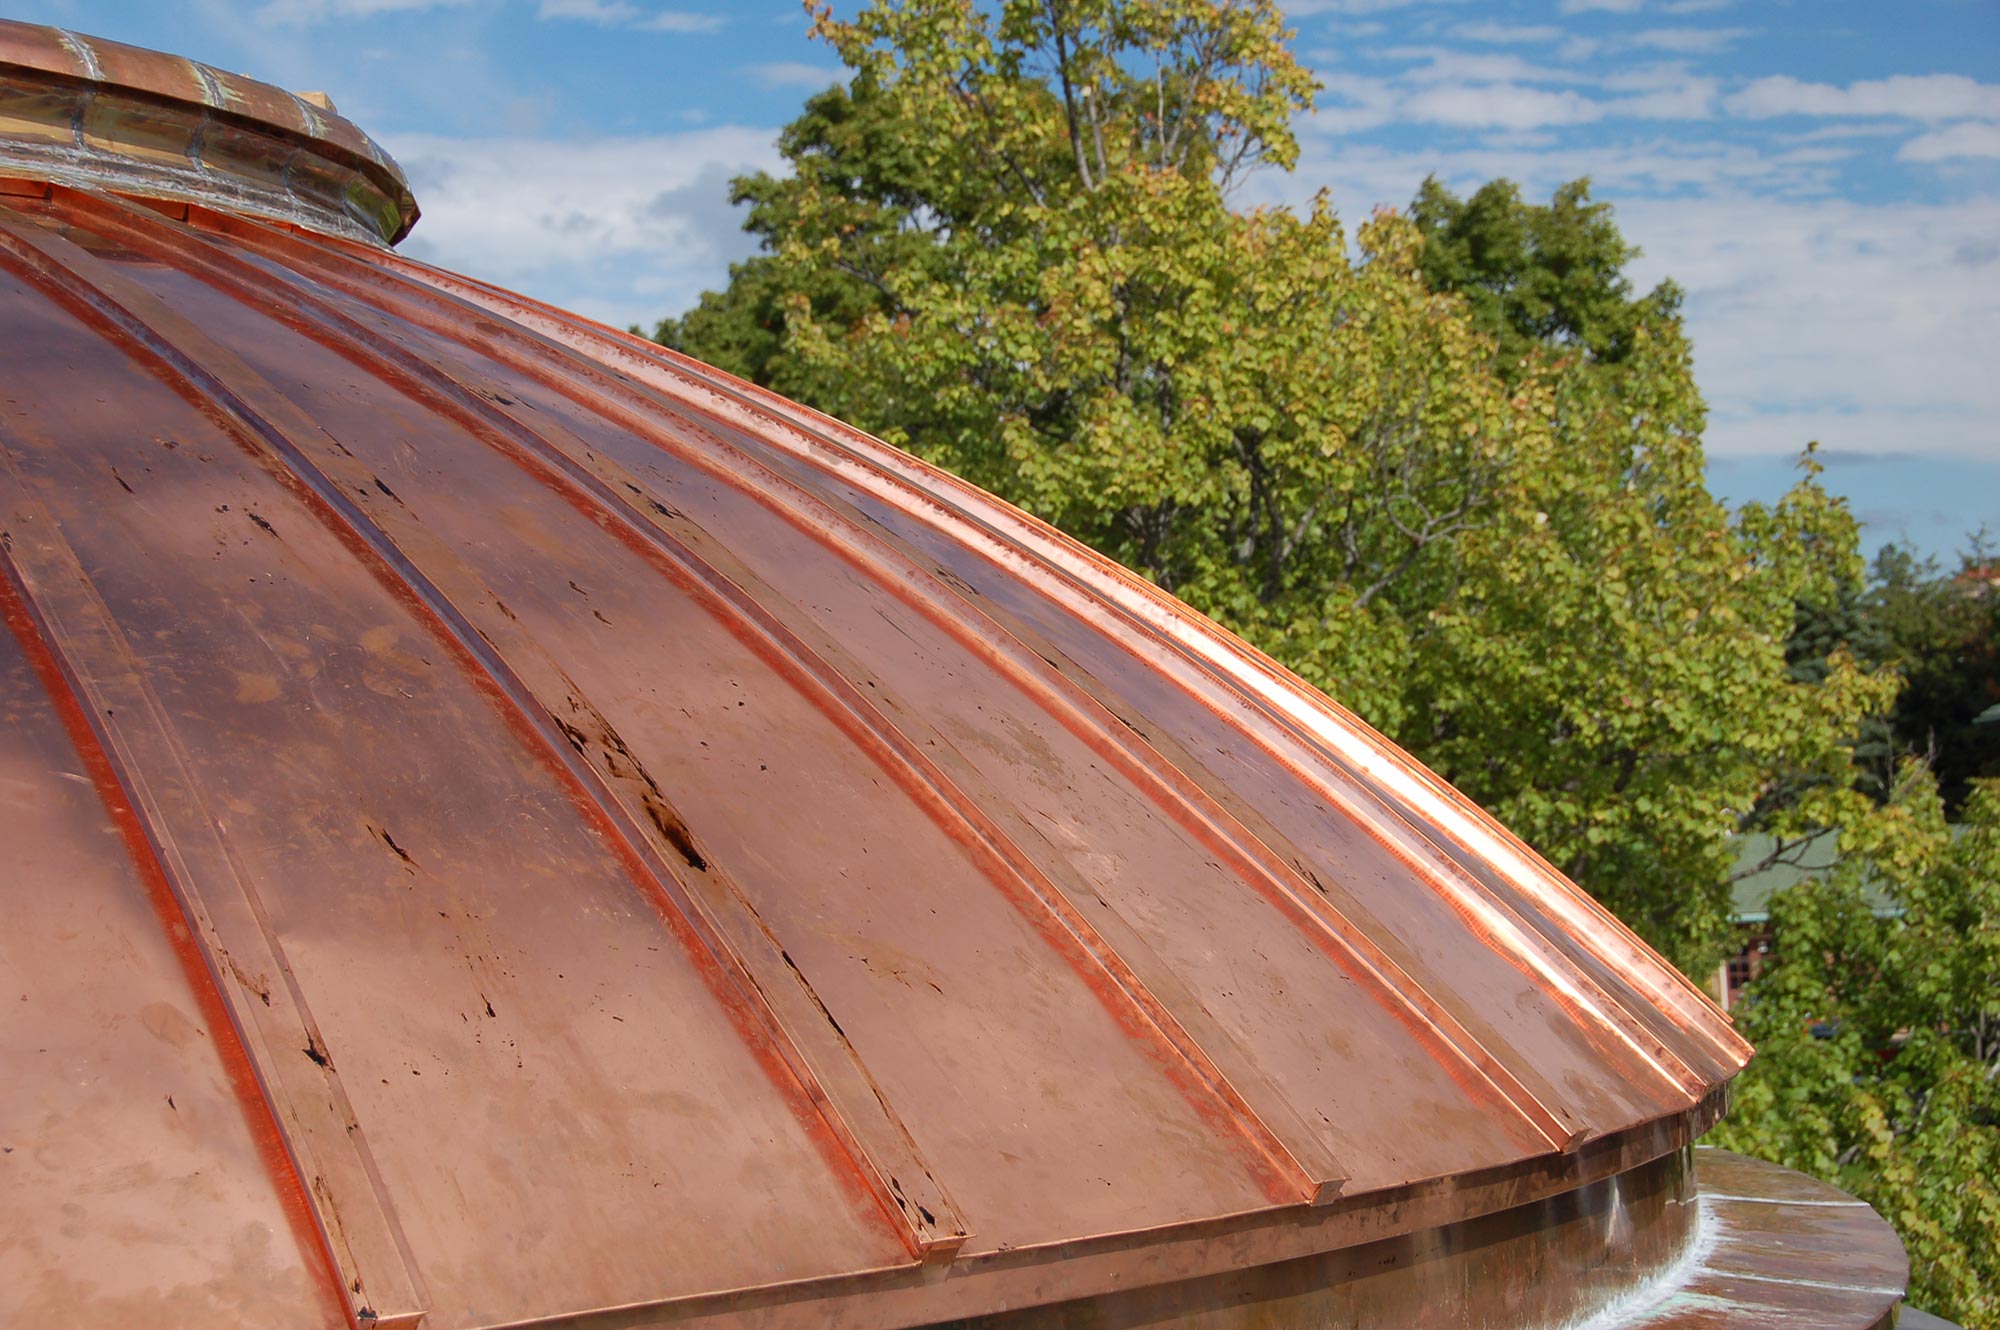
x: 500, y: 822
x: 86, y: 110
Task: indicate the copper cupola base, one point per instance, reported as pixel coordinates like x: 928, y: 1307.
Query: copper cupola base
x: 502, y: 825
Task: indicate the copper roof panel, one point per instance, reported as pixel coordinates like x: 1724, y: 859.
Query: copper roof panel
x: 490, y: 980
x: 127, y: 1097
x: 952, y: 691
x: 727, y: 734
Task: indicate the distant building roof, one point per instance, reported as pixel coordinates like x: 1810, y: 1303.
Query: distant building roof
x: 1751, y: 894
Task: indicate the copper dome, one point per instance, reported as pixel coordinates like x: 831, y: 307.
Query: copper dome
x: 500, y: 823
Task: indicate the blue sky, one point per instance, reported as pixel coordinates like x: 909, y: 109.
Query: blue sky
x: 1822, y: 176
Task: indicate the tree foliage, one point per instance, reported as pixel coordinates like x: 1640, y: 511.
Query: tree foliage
x: 848, y: 141
x: 1942, y: 632
x: 1878, y: 1038
x: 1538, y: 277
x: 1008, y: 245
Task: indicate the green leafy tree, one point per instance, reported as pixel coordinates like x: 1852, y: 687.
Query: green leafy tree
x: 1610, y: 677
x: 846, y: 140
x: 1942, y: 632
x: 1878, y: 1037
x: 1008, y: 245
x: 1841, y: 622
x: 1538, y: 277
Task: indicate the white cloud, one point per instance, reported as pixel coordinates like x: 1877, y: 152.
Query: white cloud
x: 607, y: 12
x: 1445, y: 65
x: 1601, y: 6
x: 1906, y: 96
x: 1667, y: 90
x: 1503, y: 92
x: 1352, y: 104
x: 1683, y: 41
x: 1687, y: 97
x: 1363, y: 175
x: 680, y: 20
x: 1507, y: 34
x: 1673, y: 41
x: 624, y: 14
x: 1296, y: 8
x: 1654, y: 77
x: 1500, y: 106
x: 797, y: 74
x: 621, y: 229
x: 1864, y: 326
x: 1841, y: 132
x: 306, y: 12
x: 1356, y: 28
x: 1952, y: 142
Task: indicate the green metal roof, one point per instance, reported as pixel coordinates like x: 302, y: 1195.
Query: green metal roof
x: 1751, y: 894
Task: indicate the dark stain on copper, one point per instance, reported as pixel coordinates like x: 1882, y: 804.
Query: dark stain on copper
x: 659, y: 509
x: 382, y: 834
x: 794, y: 966
x: 675, y: 830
